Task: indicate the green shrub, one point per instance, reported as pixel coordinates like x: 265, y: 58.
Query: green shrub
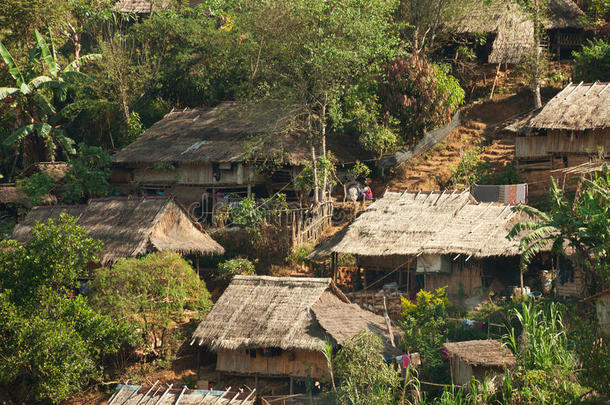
x: 36, y: 187
x: 593, y: 62
x: 471, y: 169
x: 365, y: 378
x: 88, y: 175
x: 230, y: 268
x: 52, y: 345
x: 425, y: 328
x: 299, y: 255
x: 151, y: 294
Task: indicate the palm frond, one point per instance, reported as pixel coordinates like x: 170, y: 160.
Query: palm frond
x: 522, y: 226
x: 541, y: 233
x: 12, y: 66
x: 43, y: 103
x: 7, y: 92
x: 19, y: 134
x: 39, y: 81
x: 47, y: 56
x: 531, y: 211
x: 65, y: 142
x: 76, y: 63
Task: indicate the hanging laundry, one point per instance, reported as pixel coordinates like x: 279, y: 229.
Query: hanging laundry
x: 468, y: 323
x: 406, y: 359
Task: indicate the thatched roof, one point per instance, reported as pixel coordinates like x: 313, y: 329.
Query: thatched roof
x: 512, y: 25
x: 56, y: 170
x: 229, y: 132
x: 160, y: 394
x: 134, y: 6
x: 284, y: 312
x: 130, y: 226
x: 431, y: 223
x: 482, y: 353
x: 577, y: 107
x: 9, y: 194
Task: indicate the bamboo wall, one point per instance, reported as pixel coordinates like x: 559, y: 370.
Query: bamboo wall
x: 296, y: 363
x: 462, y: 372
x: 571, y: 288
x: 465, y: 278
x: 559, y: 141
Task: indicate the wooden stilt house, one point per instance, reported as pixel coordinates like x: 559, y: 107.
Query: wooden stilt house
x: 277, y: 326
x: 573, y: 128
x: 435, y: 239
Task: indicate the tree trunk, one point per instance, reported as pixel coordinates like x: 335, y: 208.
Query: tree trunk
x: 314, y: 166
x: 323, y: 126
x: 537, y: 55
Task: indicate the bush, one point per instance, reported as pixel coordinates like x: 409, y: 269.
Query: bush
x: 230, y: 268
x: 151, y: 294
x: 593, y: 62
x: 52, y: 345
x: 88, y: 175
x: 471, y: 169
x: 424, y: 324
x: 365, y: 378
x: 36, y: 187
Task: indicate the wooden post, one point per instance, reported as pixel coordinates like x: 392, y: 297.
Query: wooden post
x: 493, y: 87
x: 198, y: 361
x: 256, y: 381
x: 291, y: 386
x: 197, y: 264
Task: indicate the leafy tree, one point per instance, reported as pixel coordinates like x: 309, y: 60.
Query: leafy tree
x: 53, y: 259
x: 35, y: 99
x: 424, y: 324
x: 309, y: 53
x: 593, y: 62
x: 365, y: 378
x: 88, y: 175
x: 420, y: 95
x: 53, y: 344
x: 151, y: 294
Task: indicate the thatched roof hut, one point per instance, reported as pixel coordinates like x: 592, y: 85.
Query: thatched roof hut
x: 577, y: 107
x: 9, y: 194
x: 229, y: 133
x: 478, y: 359
x: 289, y: 313
x: 224, y: 133
x: 130, y: 226
x: 159, y: 394
x: 134, y: 6
x: 56, y: 170
x: 511, y: 24
x: 431, y: 224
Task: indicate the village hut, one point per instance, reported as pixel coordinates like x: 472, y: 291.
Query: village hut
x: 200, y: 155
x: 571, y: 129
x: 277, y: 326
x: 160, y: 394
x: 130, y: 227
x: 602, y: 306
x: 11, y: 195
x: 428, y: 240
x: 509, y: 29
x: 477, y: 358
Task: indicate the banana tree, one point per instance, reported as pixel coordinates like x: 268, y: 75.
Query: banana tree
x: 34, y: 98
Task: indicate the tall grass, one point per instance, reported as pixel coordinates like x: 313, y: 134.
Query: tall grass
x: 543, y: 344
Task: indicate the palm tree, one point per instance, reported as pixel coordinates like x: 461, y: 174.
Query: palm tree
x: 582, y: 224
x: 33, y: 96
